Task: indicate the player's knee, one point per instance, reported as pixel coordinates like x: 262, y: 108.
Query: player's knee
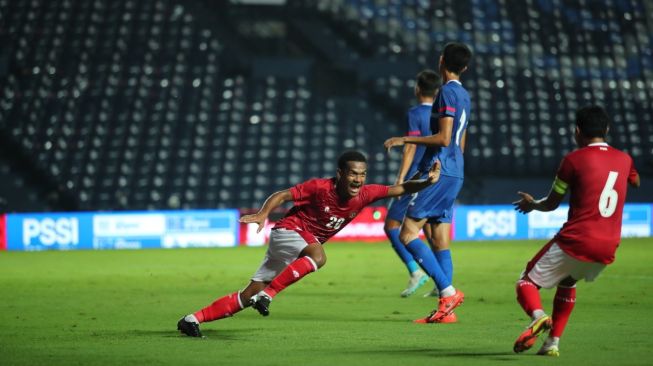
x: 391, y: 225
x: 319, y: 259
x: 407, y: 237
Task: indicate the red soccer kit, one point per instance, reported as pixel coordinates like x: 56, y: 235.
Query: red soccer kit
x: 598, y: 176
x: 319, y: 213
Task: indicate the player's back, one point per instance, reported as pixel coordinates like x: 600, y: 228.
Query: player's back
x: 452, y: 100
x: 419, y: 124
x: 598, y: 177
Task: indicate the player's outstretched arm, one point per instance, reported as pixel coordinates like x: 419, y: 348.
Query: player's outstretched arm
x: 406, y: 161
x: 413, y: 186
x: 527, y: 203
x: 275, y: 200
x: 442, y: 138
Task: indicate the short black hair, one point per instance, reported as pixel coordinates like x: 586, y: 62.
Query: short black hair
x: 456, y: 57
x: 348, y: 156
x: 427, y: 82
x: 592, y: 121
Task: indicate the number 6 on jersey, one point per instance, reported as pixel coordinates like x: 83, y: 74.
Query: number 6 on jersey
x: 609, y: 196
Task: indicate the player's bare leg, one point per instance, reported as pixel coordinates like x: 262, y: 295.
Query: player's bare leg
x: 310, y: 260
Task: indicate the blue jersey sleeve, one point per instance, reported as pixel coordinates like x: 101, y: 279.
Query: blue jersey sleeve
x: 414, y: 127
x: 446, y: 104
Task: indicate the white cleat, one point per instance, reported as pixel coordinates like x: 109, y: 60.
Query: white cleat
x: 417, y: 279
x: 549, y: 348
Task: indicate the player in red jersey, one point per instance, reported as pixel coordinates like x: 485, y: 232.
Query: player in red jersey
x: 597, y: 176
x: 322, y: 208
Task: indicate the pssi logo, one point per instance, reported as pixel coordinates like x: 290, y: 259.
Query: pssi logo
x: 492, y: 223
x: 48, y: 231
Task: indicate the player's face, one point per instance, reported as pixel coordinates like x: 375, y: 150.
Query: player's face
x: 351, y: 179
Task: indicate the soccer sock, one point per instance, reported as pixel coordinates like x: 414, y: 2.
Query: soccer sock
x: 528, y: 296
x: 293, y: 273
x: 424, y: 256
x: 221, y: 308
x: 444, y: 259
x: 563, y: 304
x: 402, y: 252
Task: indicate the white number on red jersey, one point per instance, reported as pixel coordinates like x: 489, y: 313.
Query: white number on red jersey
x: 335, y: 222
x: 608, y: 199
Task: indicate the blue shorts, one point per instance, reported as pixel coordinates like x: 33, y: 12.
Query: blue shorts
x: 435, y: 203
x: 398, y: 206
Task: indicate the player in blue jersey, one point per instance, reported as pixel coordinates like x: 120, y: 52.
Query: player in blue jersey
x: 419, y: 118
x: 433, y: 207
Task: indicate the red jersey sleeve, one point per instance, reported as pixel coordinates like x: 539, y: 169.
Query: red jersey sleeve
x: 566, y: 171
x: 374, y: 192
x: 303, y: 192
x: 632, y: 176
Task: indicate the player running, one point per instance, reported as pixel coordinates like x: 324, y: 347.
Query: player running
x: 418, y: 125
x: 322, y: 208
x: 433, y: 206
x: 596, y: 175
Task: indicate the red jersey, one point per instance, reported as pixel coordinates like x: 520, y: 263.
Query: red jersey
x: 319, y: 213
x: 598, y: 176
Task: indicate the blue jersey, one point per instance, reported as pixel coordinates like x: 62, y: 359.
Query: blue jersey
x: 452, y: 101
x: 419, y: 124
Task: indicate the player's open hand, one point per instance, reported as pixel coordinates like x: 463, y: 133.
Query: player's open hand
x: 434, y: 173
x: 392, y: 142
x: 525, y: 204
x: 257, y: 218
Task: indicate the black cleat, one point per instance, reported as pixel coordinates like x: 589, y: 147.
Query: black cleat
x: 261, y: 302
x: 189, y: 328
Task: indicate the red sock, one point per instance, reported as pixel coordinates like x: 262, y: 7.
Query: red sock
x: 528, y: 295
x: 221, y: 308
x: 563, y: 304
x: 293, y: 273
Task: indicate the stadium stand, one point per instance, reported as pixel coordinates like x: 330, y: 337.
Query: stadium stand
x: 159, y: 104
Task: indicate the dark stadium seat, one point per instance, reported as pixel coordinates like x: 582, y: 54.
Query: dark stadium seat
x: 152, y: 104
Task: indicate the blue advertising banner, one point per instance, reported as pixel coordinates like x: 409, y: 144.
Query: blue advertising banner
x: 124, y: 230
x: 489, y: 222
x: 503, y: 222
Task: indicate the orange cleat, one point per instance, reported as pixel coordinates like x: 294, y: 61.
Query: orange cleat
x: 451, y: 318
x: 528, y: 338
x: 446, y: 306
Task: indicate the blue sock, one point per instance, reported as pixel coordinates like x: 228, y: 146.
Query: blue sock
x: 425, y: 257
x: 444, y: 259
x: 402, y: 252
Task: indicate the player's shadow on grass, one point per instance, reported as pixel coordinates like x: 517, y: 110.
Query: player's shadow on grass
x: 209, y: 334
x: 440, y: 353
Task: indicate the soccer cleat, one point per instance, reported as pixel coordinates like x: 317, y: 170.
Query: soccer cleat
x: 551, y: 351
x: 190, y: 329
x: 451, y: 318
x: 261, y: 302
x: 417, y: 279
x: 527, y: 339
x: 446, y: 306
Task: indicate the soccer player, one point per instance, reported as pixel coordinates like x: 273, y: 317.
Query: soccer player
x: 418, y: 125
x: 322, y: 208
x: 597, y: 176
x: 433, y: 207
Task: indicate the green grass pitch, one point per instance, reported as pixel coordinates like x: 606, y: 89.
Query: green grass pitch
x: 121, y: 307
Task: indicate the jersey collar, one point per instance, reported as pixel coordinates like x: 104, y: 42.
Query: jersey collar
x: 599, y: 144
x: 455, y: 81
